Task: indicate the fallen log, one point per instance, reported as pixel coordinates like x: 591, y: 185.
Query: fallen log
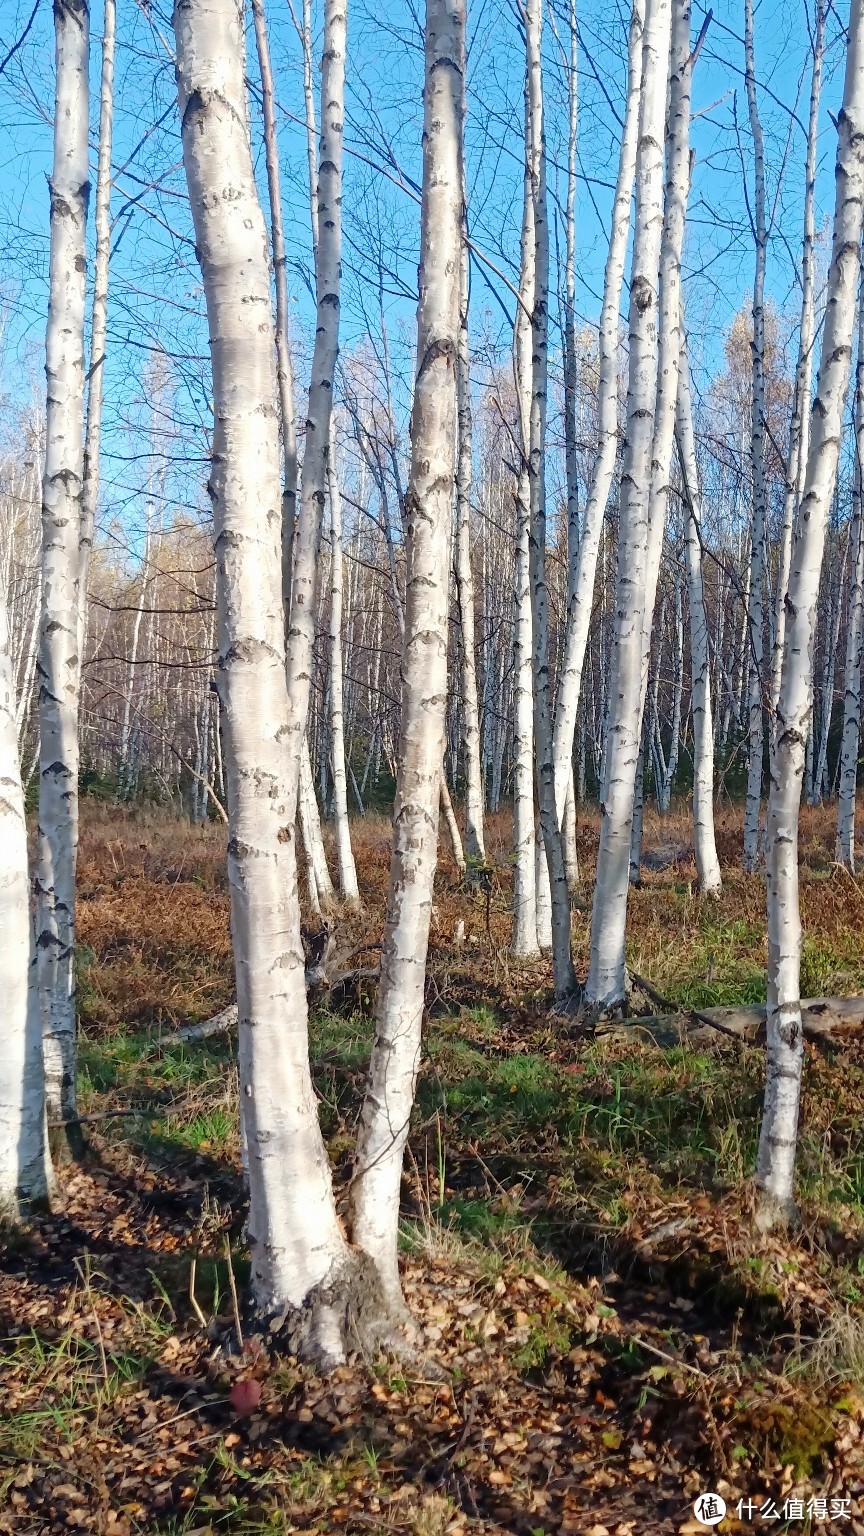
x: 225, y: 1022
x: 822, y: 1018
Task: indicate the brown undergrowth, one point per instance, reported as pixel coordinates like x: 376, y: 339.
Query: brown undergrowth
x: 604, y: 1336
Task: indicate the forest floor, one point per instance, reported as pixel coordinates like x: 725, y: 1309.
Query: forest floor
x: 605, y: 1336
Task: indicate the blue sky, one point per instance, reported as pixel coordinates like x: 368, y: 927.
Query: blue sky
x: 156, y: 300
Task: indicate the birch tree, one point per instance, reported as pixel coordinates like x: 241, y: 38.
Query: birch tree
x: 777, y: 1141
x: 347, y: 871
x: 58, y: 666
x: 98, y: 320
x: 474, y: 842
x: 705, y: 847
x: 850, y: 743
x: 328, y: 256
x: 579, y: 610
x: 24, y: 1163
x: 799, y: 429
x: 304, y: 1277
x: 562, y: 964
x: 606, y: 984
x: 396, y: 1050
x: 756, y: 733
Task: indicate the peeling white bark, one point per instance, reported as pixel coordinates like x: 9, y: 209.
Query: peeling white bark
x: 707, y: 862
x: 845, y: 851
x: 396, y: 1051
x: 298, y: 1250
x: 58, y: 666
x: 24, y: 1164
x: 347, y: 870
x: 562, y: 964
x: 606, y: 984
x: 579, y: 612
x: 776, y: 1159
x: 328, y: 256
x: 756, y: 732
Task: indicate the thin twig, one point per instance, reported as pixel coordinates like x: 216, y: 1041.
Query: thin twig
x: 233, y: 1284
x: 192, y: 1297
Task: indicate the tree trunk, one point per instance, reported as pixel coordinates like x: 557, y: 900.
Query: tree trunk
x: 562, y: 964
x: 525, y: 940
x: 707, y: 863
x: 474, y: 843
x: 59, y: 667
x: 606, y: 985
x: 579, y: 611
x: 776, y: 1159
x: 25, y: 1169
x: 307, y: 541
x: 284, y: 369
x: 799, y: 431
x: 98, y: 324
x: 303, y: 1274
x: 396, y: 1052
x: 845, y: 853
x: 347, y: 870
x: 755, y: 740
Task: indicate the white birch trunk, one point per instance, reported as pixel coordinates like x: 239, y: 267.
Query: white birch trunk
x: 756, y: 733
x: 328, y: 255
x: 562, y: 965
x: 474, y: 843
x: 24, y: 1164
x: 284, y: 369
x: 799, y: 431
x: 302, y: 1270
x: 62, y: 485
x: 452, y: 826
x: 669, y: 345
x: 347, y: 870
x: 776, y: 1158
x: 98, y: 323
x: 579, y: 612
x: 527, y: 937
x: 396, y: 1052
x: 310, y: 827
x: 707, y: 862
x: 607, y: 980
x: 845, y: 852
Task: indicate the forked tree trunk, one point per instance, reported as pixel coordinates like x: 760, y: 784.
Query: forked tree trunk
x: 62, y: 485
x: 607, y: 979
x: 756, y: 733
x: 845, y: 852
x: 328, y: 255
x: 389, y: 1097
x: 707, y: 863
x: 579, y: 611
x: 24, y: 1164
x: 776, y: 1159
x: 303, y: 1273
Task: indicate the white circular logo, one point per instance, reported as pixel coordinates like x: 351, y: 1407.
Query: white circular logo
x: 709, y: 1509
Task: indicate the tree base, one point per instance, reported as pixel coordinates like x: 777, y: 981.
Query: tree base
x: 771, y: 1214
x: 348, y: 1313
